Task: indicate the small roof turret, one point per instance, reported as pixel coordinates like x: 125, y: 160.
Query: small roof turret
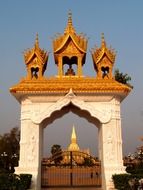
x: 35, y: 51
x: 103, y: 59
x: 98, y: 53
x: 70, y: 49
x: 36, y: 60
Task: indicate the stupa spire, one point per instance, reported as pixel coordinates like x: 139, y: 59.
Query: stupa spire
x: 73, y: 146
x: 73, y: 136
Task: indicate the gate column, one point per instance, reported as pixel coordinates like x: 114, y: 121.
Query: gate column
x: 31, y: 151
x: 110, y: 141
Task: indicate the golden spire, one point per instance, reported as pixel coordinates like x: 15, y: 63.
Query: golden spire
x: 70, y: 18
x: 73, y: 136
x: 103, y: 43
x: 69, y: 28
x: 37, y: 41
x: 73, y: 146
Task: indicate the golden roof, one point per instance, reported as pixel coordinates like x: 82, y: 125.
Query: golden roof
x: 79, y: 40
x: 29, y: 54
x: 98, y: 53
x: 36, y: 60
x: 64, y: 84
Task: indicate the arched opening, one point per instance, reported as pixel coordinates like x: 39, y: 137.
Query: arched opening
x: 57, y: 131
x: 34, y: 72
x: 70, y: 66
x: 105, y: 71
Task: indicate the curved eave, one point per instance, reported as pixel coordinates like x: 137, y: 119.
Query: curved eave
x: 78, y: 85
x: 65, y: 41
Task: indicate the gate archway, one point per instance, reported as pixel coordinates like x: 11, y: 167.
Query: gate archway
x: 71, y: 175
x: 41, y: 98
x: 57, y: 129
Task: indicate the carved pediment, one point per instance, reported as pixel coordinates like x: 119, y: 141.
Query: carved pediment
x: 100, y: 114
x: 70, y: 49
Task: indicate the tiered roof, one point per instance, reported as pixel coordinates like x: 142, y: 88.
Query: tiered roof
x: 82, y: 84
x: 36, y: 51
x: 79, y: 40
x: 99, y: 53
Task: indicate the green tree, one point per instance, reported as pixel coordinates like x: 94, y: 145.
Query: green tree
x: 56, y: 152
x: 122, y: 78
x: 9, y: 149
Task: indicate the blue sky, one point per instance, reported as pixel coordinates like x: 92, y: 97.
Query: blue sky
x: 122, y: 24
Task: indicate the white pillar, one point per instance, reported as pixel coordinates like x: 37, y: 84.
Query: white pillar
x: 111, y: 151
x: 31, y: 151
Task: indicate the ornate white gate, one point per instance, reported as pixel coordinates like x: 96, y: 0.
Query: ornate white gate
x: 44, y: 99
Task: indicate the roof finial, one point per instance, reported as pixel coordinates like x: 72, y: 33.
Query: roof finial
x: 103, y: 43
x: 37, y: 41
x: 70, y: 17
x: 69, y: 27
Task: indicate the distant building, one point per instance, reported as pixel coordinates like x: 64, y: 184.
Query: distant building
x: 73, y: 153
x: 73, y: 145
x: 78, y: 155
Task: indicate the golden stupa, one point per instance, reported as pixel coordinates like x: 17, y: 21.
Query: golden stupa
x: 73, y: 145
